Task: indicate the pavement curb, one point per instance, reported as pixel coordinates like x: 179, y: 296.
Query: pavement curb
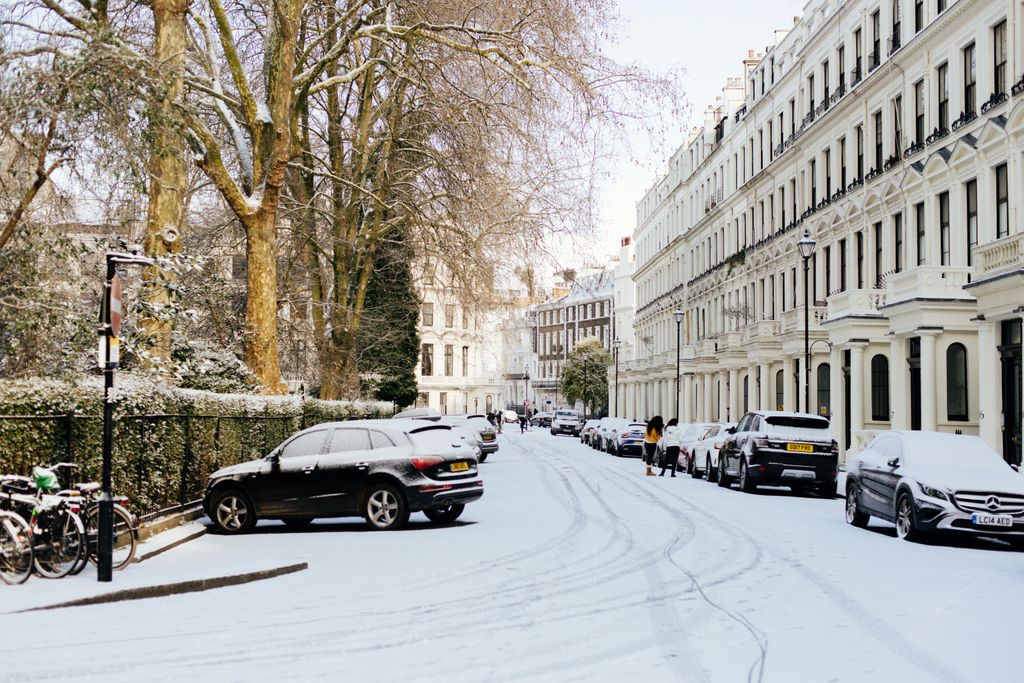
x: 170, y: 546
x: 178, y: 588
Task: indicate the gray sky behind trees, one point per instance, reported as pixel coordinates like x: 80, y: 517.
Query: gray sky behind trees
x: 706, y: 38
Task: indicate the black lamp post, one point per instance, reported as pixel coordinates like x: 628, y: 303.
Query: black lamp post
x: 526, y: 388
x: 678, y: 315
x: 806, y: 245
x: 616, y: 345
x: 586, y: 357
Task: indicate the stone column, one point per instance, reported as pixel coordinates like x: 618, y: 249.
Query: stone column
x: 735, y: 395
x: 928, y: 371
x: 723, y: 396
x: 988, y: 386
x: 856, y: 390
x: 686, y: 401
x: 751, y: 387
x: 762, y: 401
x: 899, y: 380
x: 787, y: 384
x: 705, y: 415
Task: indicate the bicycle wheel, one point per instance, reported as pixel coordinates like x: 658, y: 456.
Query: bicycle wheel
x: 15, y: 549
x: 126, y: 536
x: 59, y: 544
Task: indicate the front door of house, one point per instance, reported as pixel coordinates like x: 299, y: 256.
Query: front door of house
x: 1010, y: 356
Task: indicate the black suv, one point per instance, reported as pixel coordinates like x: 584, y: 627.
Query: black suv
x: 780, y: 448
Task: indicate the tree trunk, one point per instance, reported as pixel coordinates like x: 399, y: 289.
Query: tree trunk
x: 168, y: 175
x: 339, y: 371
x: 261, y: 353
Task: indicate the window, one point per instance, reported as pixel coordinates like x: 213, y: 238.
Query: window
x: 971, y: 190
x: 970, y: 80
x: 897, y: 17
x: 465, y: 319
x: 427, y: 313
x: 304, y: 444
x: 880, y: 388
x: 940, y: 6
x: 841, y: 64
x: 449, y: 315
x: 810, y: 93
x: 878, y: 255
x: 828, y: 173
x: 449, y: 360
x: 345, y: 440
x: 380, y: 440
x: 824, y: 82
x: 860, y: 259
x: 876, y: 39
x: 814, y: 184
x: 427, y: 360
x: 944, y: 228
x: 443, y: 401
x: 897, y: 228
x: 842, y: 163
x: 897, y: 124
x: 779, y: 391
x: 857, y: 56
x: 860, y: 153
x: 956, y: 382
x: 828, y: 270
x: 1002, y: 203
x: 922, y: 254
x: 465, y: 361
x: 918, y: 15
x: 919, y: 133
x: 842, y: 265
x: 824, y: 390
x: 942, y: 89
x: 999, y: 58
x: 878, y: 141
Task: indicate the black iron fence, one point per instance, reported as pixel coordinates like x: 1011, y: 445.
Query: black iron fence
x: 158, y: 460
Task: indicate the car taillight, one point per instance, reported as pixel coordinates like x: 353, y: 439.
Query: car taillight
x: 761, y: 443
x: 835, y: 446
x: 425, y: 463
x: 718, y: 445
x: 625, y: 435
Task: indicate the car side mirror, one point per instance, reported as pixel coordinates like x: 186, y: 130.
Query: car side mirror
x: 893, y: 462
x: 730, y: 430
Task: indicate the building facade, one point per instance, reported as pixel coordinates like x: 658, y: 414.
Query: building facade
x: 891, y: 133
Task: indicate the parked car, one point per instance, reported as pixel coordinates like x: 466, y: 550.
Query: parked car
x: 510, y: 417
x: 691, y: 435
x: 628, y: 438
x: 566, y: 422
x: 488, y: 438
x: 704, y: 453
x: 610, y: 433
x: 931, y: 481
x: 597, y: 436
x: 381, y: 470
x: 541, y: 419
x: 588, y: 430
x: 782, y: 448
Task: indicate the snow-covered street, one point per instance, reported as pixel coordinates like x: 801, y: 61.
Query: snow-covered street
x: 574, y: 566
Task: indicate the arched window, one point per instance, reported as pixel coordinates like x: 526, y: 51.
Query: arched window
x: 880, y: 388
x: 956, y: 382
x: 779, y: 391
x: 824, y: 390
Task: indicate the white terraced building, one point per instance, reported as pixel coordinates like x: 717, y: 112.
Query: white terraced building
x: 892, y: 133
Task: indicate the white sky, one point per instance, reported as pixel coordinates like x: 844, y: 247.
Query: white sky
x: 707, y: 39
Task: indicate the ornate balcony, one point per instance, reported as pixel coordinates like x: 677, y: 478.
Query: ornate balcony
x: 762, y: 330
x: 913, y: 149
x: 1001, y: 256
x: 994, y: 100
x: 793, y: 319
x: 928, y: 282
x: 964, y: 118
x: 936, y: 135
x: 855, y: 303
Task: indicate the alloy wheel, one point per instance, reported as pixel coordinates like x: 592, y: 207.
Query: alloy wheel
x: 232, y: 512
x: 383, y: 507
x: 905, y: 518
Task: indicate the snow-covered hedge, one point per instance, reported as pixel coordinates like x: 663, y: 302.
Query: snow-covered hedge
x: 166, y: 440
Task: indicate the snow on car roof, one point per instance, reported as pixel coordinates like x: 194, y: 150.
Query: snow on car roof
x: 940, y: 445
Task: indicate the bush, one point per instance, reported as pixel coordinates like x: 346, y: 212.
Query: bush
x: 166, y: 440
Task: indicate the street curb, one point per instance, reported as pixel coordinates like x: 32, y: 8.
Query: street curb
x: 179, y: 588
x: 170, y: 546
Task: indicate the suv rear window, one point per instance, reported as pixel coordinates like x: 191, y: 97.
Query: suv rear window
x: 796, y: 421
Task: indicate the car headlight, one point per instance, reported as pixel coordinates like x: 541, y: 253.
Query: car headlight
x: 933, y: 493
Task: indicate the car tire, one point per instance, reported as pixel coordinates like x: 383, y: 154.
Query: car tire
x: 553, y: 433
x: 297, y: 522
x: 446, y: 514
x: 723, y: 478
x: 747, y: 484
x: 906, y: 518
x: 483, y: 456
x: 828, y: 490
x: 694, y: 472
x: 618, y: 452
x: 854, y: 515
x: 711, y: 473
x: 232, y: 512
x: 385, y: 508
x: 689, y: 465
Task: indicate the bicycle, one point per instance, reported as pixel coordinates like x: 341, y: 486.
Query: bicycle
x: 16, y: 551
x: 57, y: 532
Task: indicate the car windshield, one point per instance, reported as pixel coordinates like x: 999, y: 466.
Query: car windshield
x: 479, y: 423
x: 567, y: 415
x: 797, y: 421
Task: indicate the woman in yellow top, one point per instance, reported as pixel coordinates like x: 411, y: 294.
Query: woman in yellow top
x: 655, y: 427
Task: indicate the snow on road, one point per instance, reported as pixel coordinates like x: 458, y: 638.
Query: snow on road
x: 573, y: 567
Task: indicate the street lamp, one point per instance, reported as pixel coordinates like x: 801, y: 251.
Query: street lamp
x: 678, y: 315
x: 526, y: 395
x: 586, y: 357
x: 806, y: 245
x: 616, y: 345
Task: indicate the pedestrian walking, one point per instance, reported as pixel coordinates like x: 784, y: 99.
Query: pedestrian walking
x: 652, y: 434
x: 670, y: 441
x: 522, y: 423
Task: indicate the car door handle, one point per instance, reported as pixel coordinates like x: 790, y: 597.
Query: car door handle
x: 362, y: 465
x: 308, y: 469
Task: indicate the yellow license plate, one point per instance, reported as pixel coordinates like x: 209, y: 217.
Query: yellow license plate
x: 460, y: 466
x: 488, y: 437
x: 800, y: 447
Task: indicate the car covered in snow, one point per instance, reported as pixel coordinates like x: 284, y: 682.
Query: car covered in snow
x: 588, y: 430
x: 780, y: 448
x: 485, y: 437
x: 566, y: 422
x: 689, y: 435
x: 932, y: 481
x: 628, y: 438
x: 381, y: 470
x: 541, y: 419
x: 704, y: 452
x: 604, y: 437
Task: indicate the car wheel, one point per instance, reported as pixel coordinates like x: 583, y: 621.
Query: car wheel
x: 694, y: 472
x: 689, y: 465
x: 445, y: 514
x: 747, y: 484
x: 854, y: 515
x: 618, y: 452
x: 906, y: 519
x: 384, y: 507
x: 552, y: 432
x: 723, y: 478
x: 483, y: 456
x: 297, y: 522
x: 828, y: 490
x: 712, y: 474
x: 232, y: 512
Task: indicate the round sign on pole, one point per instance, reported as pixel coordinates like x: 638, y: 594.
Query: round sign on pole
x: 115, y: 306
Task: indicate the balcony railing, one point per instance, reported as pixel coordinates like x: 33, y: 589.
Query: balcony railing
x: 928, y: 282
x: 1002, y: 255
x: 874, y: 60
x: 936, y: 135
x: 964, y: 118
x: 994, y: 100
x: 762, y: 329
x: 855, y: 302
x: 793, y: 319
x: 730, y: 340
